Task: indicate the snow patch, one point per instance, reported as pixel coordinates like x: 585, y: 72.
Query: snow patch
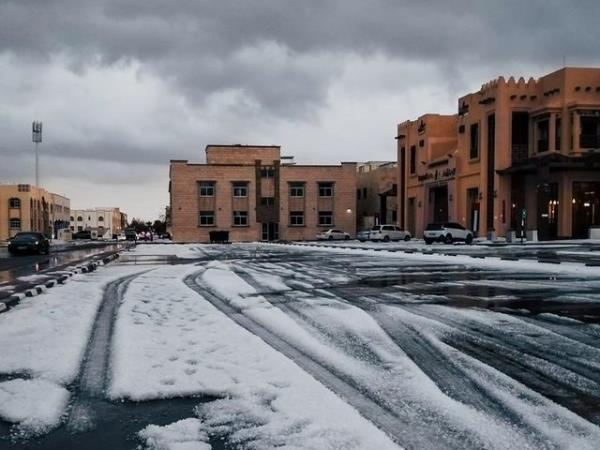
x: 185, y: 434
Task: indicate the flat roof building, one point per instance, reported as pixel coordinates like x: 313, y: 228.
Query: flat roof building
x: 518, y: 154
x: 376, y: 193
x: 256, y: 194
x: 103, y: 222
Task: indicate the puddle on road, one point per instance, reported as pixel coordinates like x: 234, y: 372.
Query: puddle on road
x: 114, y: 425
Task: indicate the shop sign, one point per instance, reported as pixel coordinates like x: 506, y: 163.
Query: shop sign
x: 438, y: 175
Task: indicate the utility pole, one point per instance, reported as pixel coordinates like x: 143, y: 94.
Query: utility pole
x: 36, y: 134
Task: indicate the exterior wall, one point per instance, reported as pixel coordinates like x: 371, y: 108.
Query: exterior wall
x: 107, y: 222
x: 376, y: 179
x: 244, y: 165
x: 60, y: 213
x: 551, y: 152
x: 38, y: 210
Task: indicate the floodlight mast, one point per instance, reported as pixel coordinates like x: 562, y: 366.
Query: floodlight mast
x: 36, y: 134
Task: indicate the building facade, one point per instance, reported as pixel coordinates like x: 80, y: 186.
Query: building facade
x: 255, y: 194
x: 526, y: 158
x: 376, y: 193
x: 105, y: 223
x: 28, y: 208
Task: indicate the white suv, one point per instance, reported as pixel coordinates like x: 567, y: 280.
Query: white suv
x: 447, y: 232
x: 388, y: 233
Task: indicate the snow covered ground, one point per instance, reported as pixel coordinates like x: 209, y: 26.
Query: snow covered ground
x: 311, y: 347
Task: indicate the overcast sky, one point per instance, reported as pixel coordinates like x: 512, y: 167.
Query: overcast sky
x: 123, y: 86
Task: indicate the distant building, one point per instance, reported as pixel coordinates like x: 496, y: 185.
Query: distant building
x: 102, y: 222
x: 376, y: 193
x: 28, y: 208
x: 517, y: 152
x: 255, y: 194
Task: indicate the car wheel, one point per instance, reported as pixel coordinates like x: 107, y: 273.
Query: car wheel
x: 407, y: 238
x: 469, y: 239
x: 346, y: 237
x: 428, y: 241
x: 386, y: 239
x: 330, y: 237
x: 448, y: 239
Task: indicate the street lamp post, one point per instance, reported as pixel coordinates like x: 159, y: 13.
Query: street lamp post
x: 36, y: 134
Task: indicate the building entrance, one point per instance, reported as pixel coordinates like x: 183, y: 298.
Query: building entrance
x: 547, y: 207
x: 438, y: 197
x: 585, y: 208
x: 270, y: 231
x: 473, y: 210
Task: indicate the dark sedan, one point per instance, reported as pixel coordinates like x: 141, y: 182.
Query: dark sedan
x: 29, y: 242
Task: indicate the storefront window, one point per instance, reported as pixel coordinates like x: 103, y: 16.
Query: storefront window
x: 585, y: 207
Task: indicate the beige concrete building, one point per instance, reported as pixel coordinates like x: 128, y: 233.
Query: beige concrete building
x: 516, y: 149
x: 105, y: 223
x: 28, y: 208
x: 256, y: 194
x: 376, y: 193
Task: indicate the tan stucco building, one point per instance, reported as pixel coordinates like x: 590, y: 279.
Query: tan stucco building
x: 28, y: 208
x: 514, y: 145
x: 104, y: 223
x: 376, y: 193
x: 256, y: 194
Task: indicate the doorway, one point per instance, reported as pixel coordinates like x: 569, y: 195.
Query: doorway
x: 270, y: 231
x: 439, y: 197
x: 473, y: 209
x: 547, y: 200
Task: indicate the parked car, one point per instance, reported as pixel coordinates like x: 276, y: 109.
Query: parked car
x: 130, y: 234
x: 29, y: 242
x: 363, y: 235
x: 333, y: 234
x: 388, y: 233
x: 83, y: 234
x: 447, y: 232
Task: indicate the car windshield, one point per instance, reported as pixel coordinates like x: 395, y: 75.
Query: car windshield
x: 27, y: 236
x: 434, y: 226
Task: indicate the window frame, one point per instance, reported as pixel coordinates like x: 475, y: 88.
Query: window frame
x: 296, y: 215
x: 323, y: 214
x: 239, y: 185
x: 474, y: 146
x: 206, y: 185
x: 321, y: 185
x: 235, y: 215
x: 412, y: 167
x: 14, y: 203
x: 15, y: 220
x: 293, y: 186
x: 205, y: 214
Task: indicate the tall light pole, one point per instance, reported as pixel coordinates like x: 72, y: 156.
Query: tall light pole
x: 36, y: 134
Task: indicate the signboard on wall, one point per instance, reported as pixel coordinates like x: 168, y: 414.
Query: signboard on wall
x: 438, y: 175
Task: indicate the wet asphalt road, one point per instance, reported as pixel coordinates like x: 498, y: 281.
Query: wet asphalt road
x: 18, y: 272
x: 468, y: 330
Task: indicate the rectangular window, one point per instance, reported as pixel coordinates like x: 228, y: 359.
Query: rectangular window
x: 474, y: 148
x: 358, y: 194
x: 240, y: 189
x: 590, y: 132
x: 267, y: 201
x: 325, y: 218
x: 206, y: 218
x: 413, y: 159
x: 240, y: 218
x: 206, y: 188
x: 557, y: 132
x: 326, y: 189
x: 296, y: 218
x: 267, y: 172
x: 364, y: 192
x: 542, y: 128
x: 296, y: 189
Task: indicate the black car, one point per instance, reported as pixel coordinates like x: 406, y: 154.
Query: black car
x: 130, y: 234
x: 29, y: 242
x: 83, y: 234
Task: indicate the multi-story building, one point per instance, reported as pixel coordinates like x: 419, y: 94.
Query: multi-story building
x: 255, y: 194
x: 106, y: 223
x: 28, y: 208
x: 376, y: 193
x: 525, y: 152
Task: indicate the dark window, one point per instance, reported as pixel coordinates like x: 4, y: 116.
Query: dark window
x: 14, y: 203
x: 325, y: 218
x: 296, y: 218
x: 100, y: 219
x: 296, y: 189
x: 590, y: 132
x: 79, y: 219
x: 206, y: 218
x: 240, y: 218
x: 474, y: 148
x: 557, y: 132
x: 79, y: 228
x: 358, y: 194
x: 413, y: 159
x: 206, y: 189
x: 240, y: 189
x: 542, y: 127
x: 267, y: 172
x: 15, y: 224
x: 365, y: 191
x: 267, y: 201
x: 421, y: 143
x: 72, y: 219
x: 520, y: 136
x: 326, y: 189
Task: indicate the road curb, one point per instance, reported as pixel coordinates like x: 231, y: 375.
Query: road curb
x: 9, y: 303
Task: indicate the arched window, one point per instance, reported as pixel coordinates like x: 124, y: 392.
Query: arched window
x: 14, y: 203
x: 79, y: 219
x: 72, y: 219
x: 15, y: 224
x: 100, y: 219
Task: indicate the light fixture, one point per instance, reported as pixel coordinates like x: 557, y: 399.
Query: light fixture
x: 349, y: 211
x: 574, y: 201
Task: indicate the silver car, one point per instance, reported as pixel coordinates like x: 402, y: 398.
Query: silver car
x: 447, y: 232
x: 332, y: 234
x: 388, y: 233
